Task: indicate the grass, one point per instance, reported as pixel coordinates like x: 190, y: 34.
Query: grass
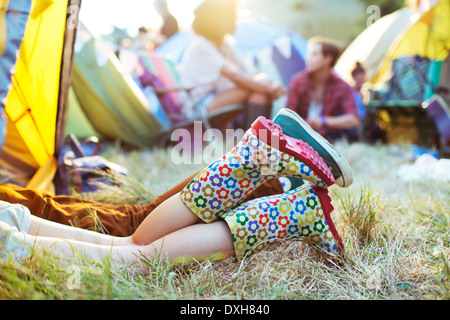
x: 396, y: 236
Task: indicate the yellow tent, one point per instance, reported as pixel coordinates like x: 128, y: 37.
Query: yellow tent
x: 405, y: 32
x: 370, y: 46
x: 36, y: 99
x: 428, y: 37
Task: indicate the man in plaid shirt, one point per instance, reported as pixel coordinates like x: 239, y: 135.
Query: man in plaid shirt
x: 320, y: 97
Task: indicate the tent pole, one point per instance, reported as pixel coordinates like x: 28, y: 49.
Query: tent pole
x: 73, y: 8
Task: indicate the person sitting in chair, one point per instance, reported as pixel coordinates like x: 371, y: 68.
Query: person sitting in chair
x: 215, y: 70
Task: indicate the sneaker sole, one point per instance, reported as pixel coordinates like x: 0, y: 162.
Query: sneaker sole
x: 345, y: 177
x: 271, y: 133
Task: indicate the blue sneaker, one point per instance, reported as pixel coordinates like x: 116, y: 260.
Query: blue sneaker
x: 294, y: 126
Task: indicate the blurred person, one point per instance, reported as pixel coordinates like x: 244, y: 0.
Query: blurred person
x: 128, y: 50
x: 170, y: 24
x: 320, y: 97
x: 370, y: 131
x: 127, y: 55
x: 216, y: 71
x: 359, y: 78
x: 143, y: 40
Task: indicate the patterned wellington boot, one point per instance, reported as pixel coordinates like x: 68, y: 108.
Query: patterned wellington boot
x: 300, y: 214
x: 262, y: 154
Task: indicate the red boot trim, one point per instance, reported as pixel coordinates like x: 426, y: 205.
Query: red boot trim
x: 327, y: 208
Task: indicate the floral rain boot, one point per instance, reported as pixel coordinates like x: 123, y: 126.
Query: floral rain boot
x: 300, y: 214
x: 226, y: 182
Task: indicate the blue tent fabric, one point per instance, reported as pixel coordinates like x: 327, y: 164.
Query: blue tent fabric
x: 255, y: 34
x: 288, y: 67
x: 252, y: 35
x: 16, y: 19
x: 175, y: 46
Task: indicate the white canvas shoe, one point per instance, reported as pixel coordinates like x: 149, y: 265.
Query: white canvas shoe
x: 15, y: 222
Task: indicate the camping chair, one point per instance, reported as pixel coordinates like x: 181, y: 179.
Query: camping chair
x: 398, y: 107
x: 159, y: 73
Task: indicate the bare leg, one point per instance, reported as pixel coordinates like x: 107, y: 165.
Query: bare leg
x: 198, y: 241
x: 46, y: 228
x: 168, y: 217
x: 259, y: 103
x: 122, y: 256
x: 259, y: 98
x: 157, y: 229
x: 228, y: 97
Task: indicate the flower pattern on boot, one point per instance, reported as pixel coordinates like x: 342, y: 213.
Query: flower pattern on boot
x: 226, y: 182
x: 300, y: 214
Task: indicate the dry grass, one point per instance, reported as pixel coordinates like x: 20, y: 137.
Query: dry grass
x: 396, y: 236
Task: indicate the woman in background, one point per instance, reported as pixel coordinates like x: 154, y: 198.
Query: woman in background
x: 215, y: 69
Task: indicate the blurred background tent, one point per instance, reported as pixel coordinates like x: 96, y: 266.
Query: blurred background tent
x: 276, y: 50
x: 105, y: 100
x: 409, y: 31
x: 371, y: 45
x: 40, y: 98
x: 428, y: 37
x: 34, y: 86
x: 102, y: 84
x: 411, y: 70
